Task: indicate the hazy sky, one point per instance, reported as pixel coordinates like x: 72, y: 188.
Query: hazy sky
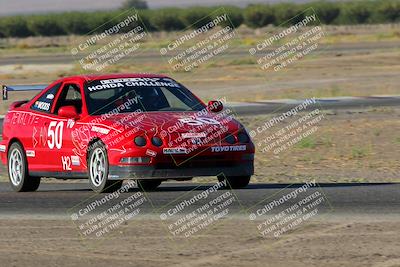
x: 9, y: 7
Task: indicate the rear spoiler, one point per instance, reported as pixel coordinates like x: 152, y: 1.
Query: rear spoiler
x: 20, y: 88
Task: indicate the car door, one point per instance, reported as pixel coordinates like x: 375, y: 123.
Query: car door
x: 60, y: 131
x: 37, y: 132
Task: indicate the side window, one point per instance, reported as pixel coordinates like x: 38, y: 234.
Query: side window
x: 70, y: 96
x: 45, y: 102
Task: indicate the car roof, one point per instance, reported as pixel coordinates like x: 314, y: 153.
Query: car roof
x: 92, y: 77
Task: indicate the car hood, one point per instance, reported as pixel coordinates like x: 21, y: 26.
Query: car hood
x: 174, y: 124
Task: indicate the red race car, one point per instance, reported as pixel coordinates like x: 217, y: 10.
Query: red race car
x: 113, y: 127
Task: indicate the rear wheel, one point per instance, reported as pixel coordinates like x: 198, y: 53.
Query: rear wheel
x: 18, y: 173
x: 98, y: 170
x: 148, y: 185
x: 235, y: 182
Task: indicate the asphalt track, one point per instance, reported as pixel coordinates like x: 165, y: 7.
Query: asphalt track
x: 281, y: 106
x: 64, y: 199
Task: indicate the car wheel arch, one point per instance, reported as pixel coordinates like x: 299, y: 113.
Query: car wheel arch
x: 12, y: 141
x: 91, y: 143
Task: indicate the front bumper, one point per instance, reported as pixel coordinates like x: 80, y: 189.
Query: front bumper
x: 151, y: 172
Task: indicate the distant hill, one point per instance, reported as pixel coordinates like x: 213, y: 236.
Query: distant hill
x: 8, y: 7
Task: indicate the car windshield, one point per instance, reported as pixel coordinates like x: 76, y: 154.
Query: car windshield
x: 138, y: 94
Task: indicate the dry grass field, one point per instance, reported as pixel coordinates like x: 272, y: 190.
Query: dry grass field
x: 350, y: 61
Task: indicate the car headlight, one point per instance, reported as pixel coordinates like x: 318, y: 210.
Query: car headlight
x: 229, y: 138
x: 140, y: 141
x: 156, y: 141
x: 243, y: 137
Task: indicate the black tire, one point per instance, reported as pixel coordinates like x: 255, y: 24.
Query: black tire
x: 235, y: 182
x: 98, y: 168
x: 17, y: 167
x: 148, y: 185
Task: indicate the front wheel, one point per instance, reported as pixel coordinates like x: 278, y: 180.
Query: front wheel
x: 98, y: 170
x: 235, y: 182
x: 18, y: 173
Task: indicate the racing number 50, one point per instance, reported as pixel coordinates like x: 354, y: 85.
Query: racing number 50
x: 55, y: 135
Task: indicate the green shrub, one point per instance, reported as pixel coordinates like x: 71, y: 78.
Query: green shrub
x: 256, y: 16
x: 167, y: 19
x: 115, y: 18
x: 307, y: 142
x: 388, y: 11
x: 47, y: 25
x: 196, y: 17
x: 327, y: 12
x: 15, y: 26
x: 146, y: 18
x: 359, y: 152
x: 173, y: 19
x: 105, y: 20
x: 356, y: 12
x: 235, y: 16
x: 77, y: 22
x: 288, y: 13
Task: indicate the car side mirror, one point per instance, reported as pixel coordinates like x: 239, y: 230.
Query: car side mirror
x: 68, y: 112
x: 215, y: 106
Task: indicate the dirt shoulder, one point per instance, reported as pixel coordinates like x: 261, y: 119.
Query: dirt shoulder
x: 346, y: 146
x: 334, y: 241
